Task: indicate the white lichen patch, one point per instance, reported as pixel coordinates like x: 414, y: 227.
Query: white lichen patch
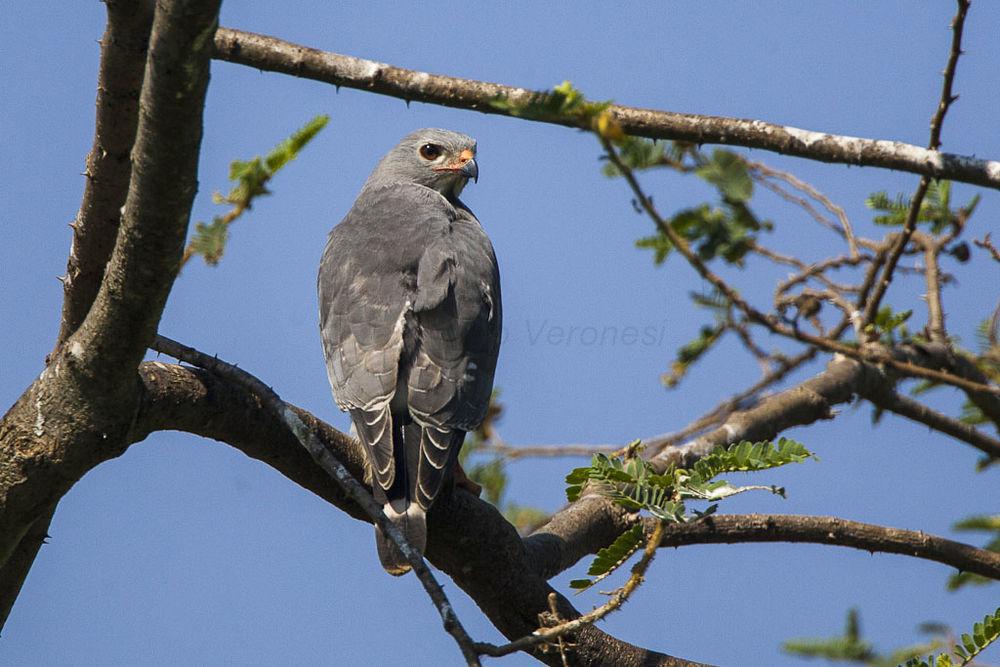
x: 807, y: 137
x: 39, y: 429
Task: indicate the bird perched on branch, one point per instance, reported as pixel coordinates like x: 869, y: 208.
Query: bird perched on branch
x: 409, y: 299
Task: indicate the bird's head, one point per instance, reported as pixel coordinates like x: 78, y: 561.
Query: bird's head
x: 438, y: 159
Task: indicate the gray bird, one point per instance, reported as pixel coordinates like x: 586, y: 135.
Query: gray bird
x: 409, y: 300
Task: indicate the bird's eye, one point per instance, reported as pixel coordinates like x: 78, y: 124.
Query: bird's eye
x: 430, y: 151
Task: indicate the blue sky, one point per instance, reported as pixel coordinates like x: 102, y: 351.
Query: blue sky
x: 185, y: 551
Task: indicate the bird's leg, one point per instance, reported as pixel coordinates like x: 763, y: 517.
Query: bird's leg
x: 462, y: 480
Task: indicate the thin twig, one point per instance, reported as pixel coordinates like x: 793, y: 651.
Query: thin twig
x: 818, y: 268
x: 239, y: 208
x: 735, y: 402
x: 618, y: 598
x: 947, y: 98
x: 987, y: 244
x: 828, y: 344
x: 892, y: 401
x: 808, y: 269
x: 512, y: 452
x: 802, y: 186
x: 935, y: 311
x: 340, y: 474
x: 937, y: 121
x: 882, y: 285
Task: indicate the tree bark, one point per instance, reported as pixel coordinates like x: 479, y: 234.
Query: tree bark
x: 79, y: 412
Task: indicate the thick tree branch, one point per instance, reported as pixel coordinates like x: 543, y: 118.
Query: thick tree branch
x: 734, y: 528
x: 322, y: 456
x: 594, y: 522
x: 471, y: 541
x: 276, y: 55
x: 78, y: 413
x: 109, y: 165
x: 15, y: 570
x: 941, y: 355
x: 144, y: 264
x: 468, y: 538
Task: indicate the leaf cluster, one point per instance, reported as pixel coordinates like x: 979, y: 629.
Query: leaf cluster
x: 852, y: 647
x: 887, y: 324
x: 935, y: 209
x: 972, y: 644
x: 563, y: 102
x: 691, y: 352
x: 635, y: 485
x: 727, y: 230
x: 251, y: 177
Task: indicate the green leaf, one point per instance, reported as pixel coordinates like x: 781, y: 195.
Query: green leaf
x: 691, y: 352
x: 983, y: 635
x: 728, y: 172
x: 613, y: 556
x: 748, y: 456
x: 638, y: 153
x: 210, y: 240
x: 659, y: 244
x: 986, y: 522
x: 635, y: 485
x: 935, y: 208
x: 563, y: 102
x: 290, y: 148
x: 251, y: 177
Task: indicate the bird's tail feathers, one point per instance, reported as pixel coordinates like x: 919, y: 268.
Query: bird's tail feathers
x: 411, y: 520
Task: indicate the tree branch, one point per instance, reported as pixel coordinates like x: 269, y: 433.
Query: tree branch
x: 733, y: 528
x: 109, y: 165
x: 937, y: 122
x: 144, y: 264
x: 78, y: 413
x: 873, y: 354
x: 547, y: 634
x: 594, y: 522
x: 340, y: 474
x: 276, y: 55
x: 884, y: 397
x: 941, y: 355
x: 468, y: 538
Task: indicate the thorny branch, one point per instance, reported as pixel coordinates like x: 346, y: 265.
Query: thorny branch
x: 618, y: 598
x: 987, y: 244
x: 766, y: 172
x: 744, y: 528
x: 937, y: 121
x: 827, y: 344
x: 276, y: 55
x: 329, y: 462
x: 144, y: 266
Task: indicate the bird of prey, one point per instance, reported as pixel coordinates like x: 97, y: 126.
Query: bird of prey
x: 409, y: 299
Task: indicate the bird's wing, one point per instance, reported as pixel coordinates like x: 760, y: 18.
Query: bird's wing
x: 459, y: 318
x: 367, y: 286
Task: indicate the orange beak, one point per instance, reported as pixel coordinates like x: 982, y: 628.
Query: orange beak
x: 465, y: 164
